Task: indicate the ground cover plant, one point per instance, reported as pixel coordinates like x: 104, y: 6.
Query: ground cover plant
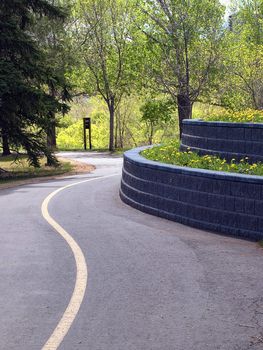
x: 245, y: 116
x: 170, y: 153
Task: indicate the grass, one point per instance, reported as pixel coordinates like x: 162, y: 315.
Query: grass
x: 261, y: 243
x: 17, y: 168
x: 170, y: 154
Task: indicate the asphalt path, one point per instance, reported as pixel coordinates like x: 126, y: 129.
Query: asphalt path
x: 152, y: 284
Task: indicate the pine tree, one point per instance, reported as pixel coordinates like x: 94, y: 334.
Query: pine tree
x: 25, y: 103
x: 57, y: 46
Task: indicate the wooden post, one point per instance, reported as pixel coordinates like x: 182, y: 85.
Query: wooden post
x: 90, y: 146
x: 84, y: 134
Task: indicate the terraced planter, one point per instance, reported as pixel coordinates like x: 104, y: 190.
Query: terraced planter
x: 223, y: 202
x: 227, y: 140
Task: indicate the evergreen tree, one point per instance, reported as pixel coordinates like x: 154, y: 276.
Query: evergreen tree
x: 55, y: 41
x: 25, y: 103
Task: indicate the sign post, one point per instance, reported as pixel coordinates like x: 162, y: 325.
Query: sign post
x: 87, y: 125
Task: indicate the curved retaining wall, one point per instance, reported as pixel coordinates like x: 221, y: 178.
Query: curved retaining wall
x: 227, y: 140
x: 223, y: 202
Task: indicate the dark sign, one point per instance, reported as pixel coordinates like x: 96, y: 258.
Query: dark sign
x: 86, y: 123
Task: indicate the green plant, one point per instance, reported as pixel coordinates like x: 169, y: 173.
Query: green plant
x: 245, y: 116
x: 171, y: 154
x: 156, y: 113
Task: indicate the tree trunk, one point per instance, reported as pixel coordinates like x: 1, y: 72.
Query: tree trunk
x: 51, y: 138
x: 5, y: 143
x: 184, y: 109
x: 151, y: 134
x: 112, y: 114
x: 116, y: 131
x: 51, y: 131
x: 51, y: 134
x: 121, y: 134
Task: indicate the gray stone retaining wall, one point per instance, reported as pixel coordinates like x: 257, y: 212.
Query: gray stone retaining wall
x: 223, y: 202
x: 227, y: 140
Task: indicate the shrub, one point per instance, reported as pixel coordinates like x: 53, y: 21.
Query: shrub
x: 72, y: 136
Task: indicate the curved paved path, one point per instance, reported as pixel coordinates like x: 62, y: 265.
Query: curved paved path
x: 152, y: 284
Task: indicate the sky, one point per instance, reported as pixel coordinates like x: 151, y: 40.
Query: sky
x: 226, y: 3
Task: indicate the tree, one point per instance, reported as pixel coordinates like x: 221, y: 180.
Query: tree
x: 156, y: 112
x: 25, y: 105
x: 244, y: 57
x: 184, y: 45
x: 53, y: 36
x: 109, y: 51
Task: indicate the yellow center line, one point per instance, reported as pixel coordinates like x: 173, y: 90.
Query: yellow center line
x: 72, y: 309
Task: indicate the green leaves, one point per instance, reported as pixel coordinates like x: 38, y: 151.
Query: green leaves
x: 26, y: 105
x: 170, y: 154
x: 242, y: 64
x: 157, y: 111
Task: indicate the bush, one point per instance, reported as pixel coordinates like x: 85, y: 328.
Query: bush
x: 72, y: 136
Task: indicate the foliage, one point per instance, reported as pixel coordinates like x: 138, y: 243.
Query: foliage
x: 71, y: 137
x: 184, y: 46
x: 131, y: 132
x: 130, y: 50
x: 54, y: 41
x: 241, y: 80
x: 156, y: 112
x: 125, y: 58
x: 170, y: 154
x: 25, y: 105
x: 203, y: 110
x: 243, y: 68
x: 108, y: 51
x: 246, y: 116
